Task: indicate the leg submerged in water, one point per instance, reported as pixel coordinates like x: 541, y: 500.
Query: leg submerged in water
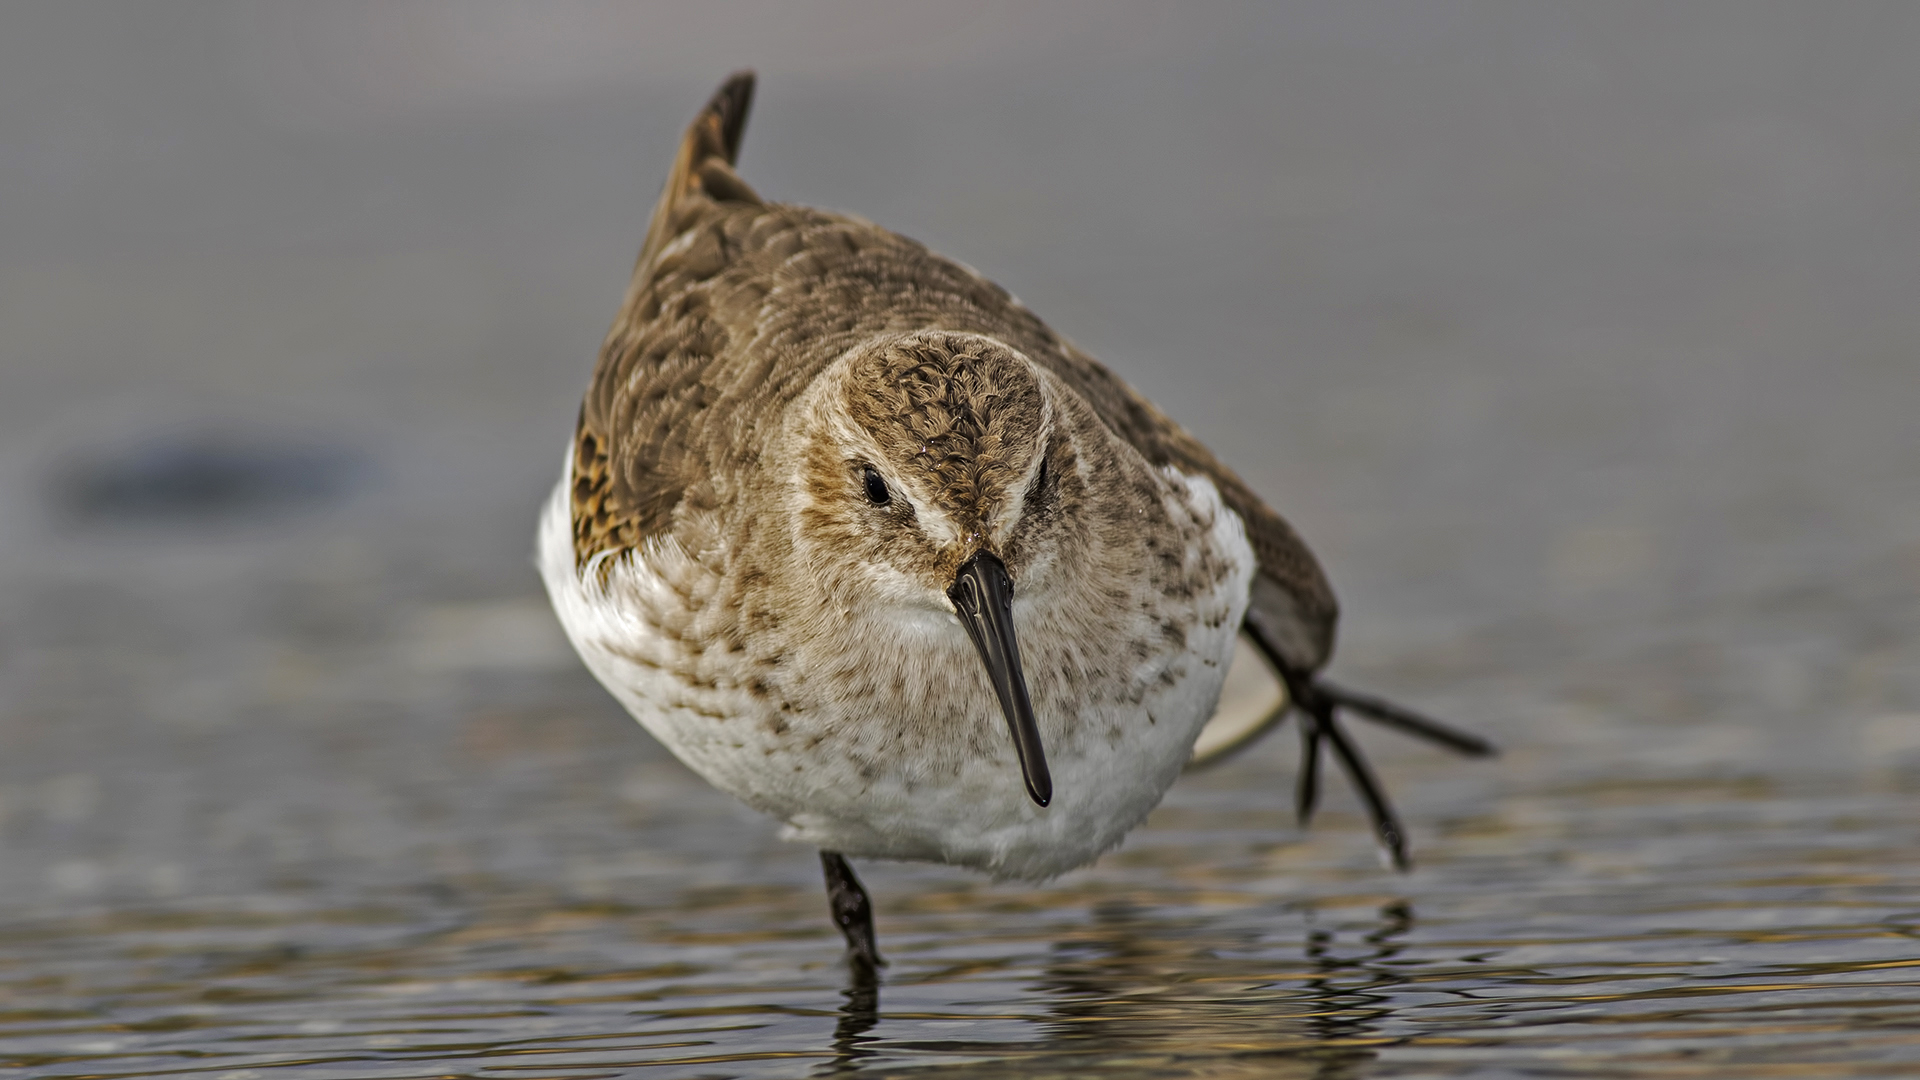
x: 852, y: 911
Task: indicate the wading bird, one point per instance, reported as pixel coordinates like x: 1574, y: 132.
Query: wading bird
x: 869, y: 546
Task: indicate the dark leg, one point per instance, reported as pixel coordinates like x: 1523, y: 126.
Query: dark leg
x: 1306, y: 788
x: 1385, y: 824
x: 852, y: 912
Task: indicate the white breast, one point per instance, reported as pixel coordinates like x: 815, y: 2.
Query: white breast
x: 613, y: 628
x: 977, y: 814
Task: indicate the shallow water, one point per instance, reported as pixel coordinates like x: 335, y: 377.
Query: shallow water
x: 1580, y: 346
x: 1207, y: 950
x: 1615, y: 896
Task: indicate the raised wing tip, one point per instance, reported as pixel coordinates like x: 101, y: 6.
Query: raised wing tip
x: 730, y: 104
x: 704, y: 165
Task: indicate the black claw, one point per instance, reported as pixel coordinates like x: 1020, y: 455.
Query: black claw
x: 1385, y: 824
x: 852, y: 913
x: 1408, y: 721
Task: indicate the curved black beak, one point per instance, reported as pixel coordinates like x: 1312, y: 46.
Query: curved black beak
x: 982, y: 593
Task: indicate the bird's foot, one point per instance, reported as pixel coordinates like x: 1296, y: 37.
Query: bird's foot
x: 1319, y: 703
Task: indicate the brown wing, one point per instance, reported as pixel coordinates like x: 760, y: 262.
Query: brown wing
x: 630, y: 470
x: 1292, y: 600
x: 735, y: 304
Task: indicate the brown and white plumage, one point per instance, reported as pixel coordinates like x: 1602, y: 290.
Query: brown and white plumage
x: 718, y: 558
x: 736, y: 303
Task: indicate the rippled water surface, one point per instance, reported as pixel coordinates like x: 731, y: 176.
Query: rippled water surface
x: 1580, y: 345
x: 1763, y: 935
x: 1614, y: 896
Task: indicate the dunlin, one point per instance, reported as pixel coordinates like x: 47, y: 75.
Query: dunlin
x: 870, y: 547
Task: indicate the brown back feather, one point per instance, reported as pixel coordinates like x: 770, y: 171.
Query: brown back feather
x: 737, y: 304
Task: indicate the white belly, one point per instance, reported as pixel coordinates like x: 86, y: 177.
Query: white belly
x: 954, y: 797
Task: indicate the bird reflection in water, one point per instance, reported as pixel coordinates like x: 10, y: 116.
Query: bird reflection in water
x: 1141, y: 993
x: 859, y: 1014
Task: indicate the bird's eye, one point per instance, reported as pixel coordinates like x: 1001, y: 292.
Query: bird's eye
x: 1037, y: 490
x: 877, y: 492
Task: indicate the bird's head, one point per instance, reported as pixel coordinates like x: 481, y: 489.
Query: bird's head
x: 935, y: 478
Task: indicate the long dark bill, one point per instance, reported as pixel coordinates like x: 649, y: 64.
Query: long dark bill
x: 982, y: 593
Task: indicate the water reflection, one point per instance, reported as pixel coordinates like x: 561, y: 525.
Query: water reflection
x: 1137, y: 992
x: 1142, y: 986
x: 859, y: 1014
x: 1348, y: 988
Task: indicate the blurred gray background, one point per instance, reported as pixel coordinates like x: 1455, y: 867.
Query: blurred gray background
x: 1579, y: 340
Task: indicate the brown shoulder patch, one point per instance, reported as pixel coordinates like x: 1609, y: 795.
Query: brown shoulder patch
x: 623, y: 484
x: 598, y: 524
